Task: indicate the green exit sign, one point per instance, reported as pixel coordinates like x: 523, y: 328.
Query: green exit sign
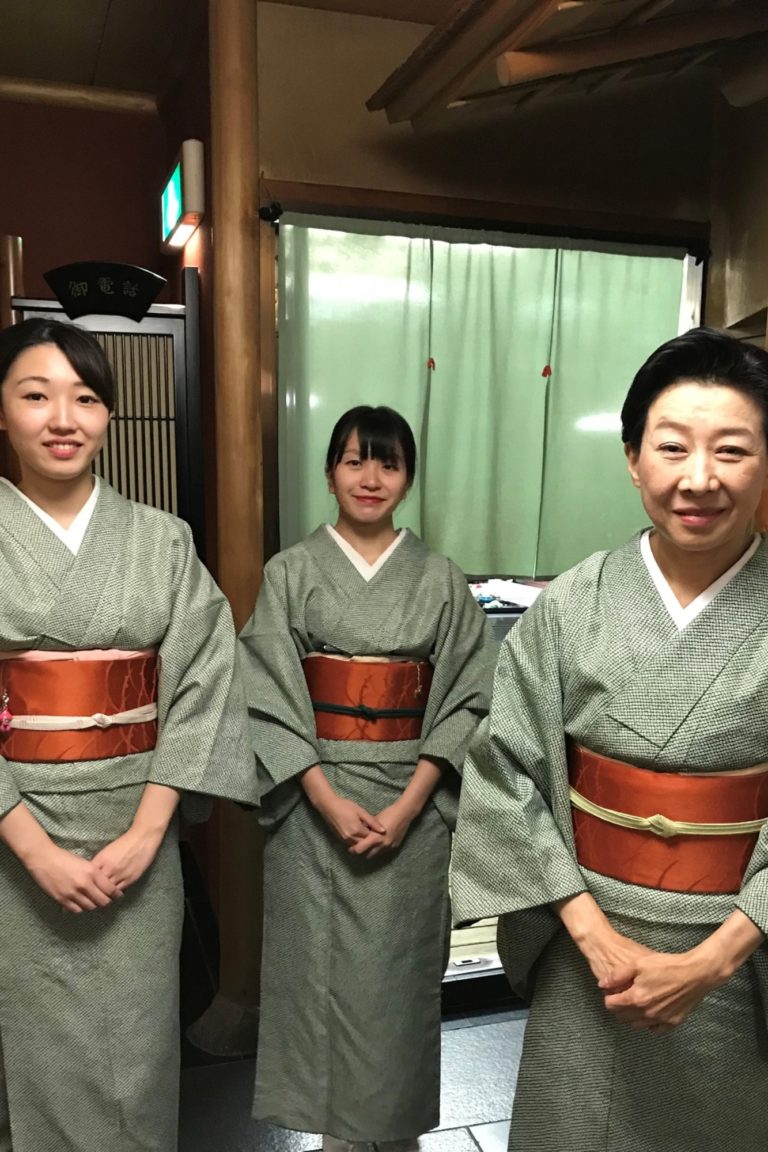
x: 171, y: 202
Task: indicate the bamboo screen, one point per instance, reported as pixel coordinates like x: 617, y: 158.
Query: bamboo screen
x: 139, y: 454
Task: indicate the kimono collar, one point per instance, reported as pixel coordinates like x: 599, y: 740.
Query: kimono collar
x: 684, y: 615
x: 72, y: 536
x: 366, y: 570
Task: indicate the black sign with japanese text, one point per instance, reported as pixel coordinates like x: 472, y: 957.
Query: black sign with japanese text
x: 104, y: 288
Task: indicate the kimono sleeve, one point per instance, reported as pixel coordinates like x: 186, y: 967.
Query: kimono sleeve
x: 753, y: 897
x: 9, y: 793
x: 463, y: 670
x: 509, y: 853
x: 202, y: 744
x: 282, y: 722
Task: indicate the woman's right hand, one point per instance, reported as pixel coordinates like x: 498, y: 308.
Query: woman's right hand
x: 76, y: 884
x: 607, y: 953
x: 605, y: 950
x: 347, y: 820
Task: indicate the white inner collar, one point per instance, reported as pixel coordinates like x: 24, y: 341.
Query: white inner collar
x: 683, y: 616
x: 72, y: 536
x: 366, y: 570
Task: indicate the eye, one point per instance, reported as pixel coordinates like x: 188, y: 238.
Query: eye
x: 88, y: 398
x: 353, y: 462
x: 733, y: 451
x: 672, y: 449
x: 33, y: 396
x: 391, y: 466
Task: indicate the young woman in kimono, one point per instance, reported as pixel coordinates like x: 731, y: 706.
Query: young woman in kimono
x: 615, y: 802
x: 367, y: 669
x: 116, y: 679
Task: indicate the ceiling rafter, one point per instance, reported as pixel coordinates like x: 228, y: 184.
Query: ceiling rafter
x: 647, y: 12
x: 471, y: 36
x: 657, y: 38
x: 24, y: 91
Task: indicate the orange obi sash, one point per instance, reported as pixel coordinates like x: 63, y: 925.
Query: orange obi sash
x: 77, y: 706
x: 670, y: 830
x: 368, y: 698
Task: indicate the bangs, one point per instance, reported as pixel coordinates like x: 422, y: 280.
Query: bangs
x: 378, y: 444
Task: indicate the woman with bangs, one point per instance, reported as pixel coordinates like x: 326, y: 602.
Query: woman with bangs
x: 367, y: 670
x: 119, y: 707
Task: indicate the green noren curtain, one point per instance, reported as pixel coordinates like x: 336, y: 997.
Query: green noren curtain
x: 610, y: 312
x: 510, y: 361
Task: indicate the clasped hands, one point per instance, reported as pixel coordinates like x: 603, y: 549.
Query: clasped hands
x: 82, y: 885
x: 650, y: 990
x: 362, y: 833
x: 656, y: 991
x: 79, y: 884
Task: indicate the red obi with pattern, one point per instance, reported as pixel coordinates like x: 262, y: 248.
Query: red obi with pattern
x: 368, y: 699
x: 676, y: 863
x: 94, y: 706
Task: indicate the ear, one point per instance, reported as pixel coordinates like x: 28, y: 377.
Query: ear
x: 329, y: 481
x: 633, y: 457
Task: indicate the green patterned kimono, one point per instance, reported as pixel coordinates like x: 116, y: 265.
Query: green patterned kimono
x: 89, y: 1002
x: 599, y: 659
x: 355, y: 949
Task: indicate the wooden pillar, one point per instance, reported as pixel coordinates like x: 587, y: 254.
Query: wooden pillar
x: 237, y: 347
x: 11, y: 284
x: 10, y: 276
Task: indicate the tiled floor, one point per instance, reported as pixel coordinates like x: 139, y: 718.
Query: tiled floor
x: 481, y: 1054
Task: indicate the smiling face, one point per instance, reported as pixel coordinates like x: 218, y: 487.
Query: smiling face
x: 367, y: 490
x: 702, y: 467
x: 55, y: 422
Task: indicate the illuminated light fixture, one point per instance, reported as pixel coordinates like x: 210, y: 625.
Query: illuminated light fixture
x: 182, y: 201
x: 600, y: 422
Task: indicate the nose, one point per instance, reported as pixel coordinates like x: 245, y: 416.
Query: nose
x: 370, y: 477
x: 700, y: 474
x: 62, y: 417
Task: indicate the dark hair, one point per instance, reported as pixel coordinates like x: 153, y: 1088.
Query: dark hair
x: 84, y: 353
x: 383, y: 435
x: 704, y: 356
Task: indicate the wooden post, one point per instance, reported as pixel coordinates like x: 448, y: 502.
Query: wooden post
x: 11, y: 284
x: 229, y: 1026
x: 10, y: 276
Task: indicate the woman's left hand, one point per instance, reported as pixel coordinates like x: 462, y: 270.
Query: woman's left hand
x: 663, y: 989
x: 396, y: 819
x: 126, y: 859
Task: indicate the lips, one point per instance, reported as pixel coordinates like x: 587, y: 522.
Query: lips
x: 370, y: 499
x: 62, y: 449
x: 697, y: 517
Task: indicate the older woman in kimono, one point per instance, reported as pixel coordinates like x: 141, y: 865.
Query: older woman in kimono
x: 614, y: 808
x: 367, y: 671
x: 116, y: 678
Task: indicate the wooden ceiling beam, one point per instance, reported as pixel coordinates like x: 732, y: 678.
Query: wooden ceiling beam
x: 76, y: 96
x: 743, y: 74
x: 471, y: 36
x: 647, y: 12
x: 673, y: 34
